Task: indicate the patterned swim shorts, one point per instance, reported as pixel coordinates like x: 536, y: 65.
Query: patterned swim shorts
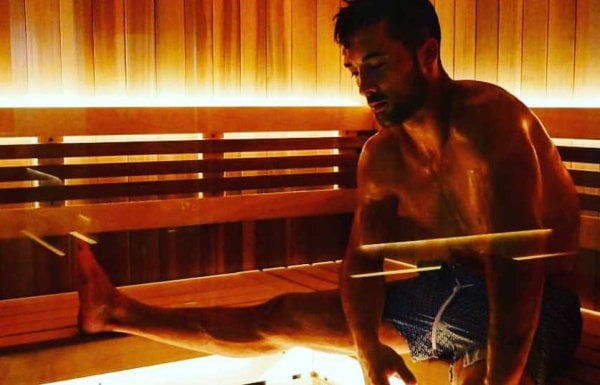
x: 451, y: 305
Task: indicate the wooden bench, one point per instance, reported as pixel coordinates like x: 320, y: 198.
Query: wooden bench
x: 220, y: 166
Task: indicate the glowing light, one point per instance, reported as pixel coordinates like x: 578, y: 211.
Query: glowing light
x: 43, y: 243
x: 297, y: 366
x: 590, y: 312
x: 460, y: 241
x: 170, y: 101
x: 580, y: 102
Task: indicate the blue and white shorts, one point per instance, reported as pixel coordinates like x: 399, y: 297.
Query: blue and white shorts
x: 452, y: 306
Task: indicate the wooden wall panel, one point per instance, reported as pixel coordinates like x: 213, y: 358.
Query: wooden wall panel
x: 170, y: 47
x: 510, y: 43
x: 43, y: 47
x: 140, y: 54
x: 561, y: 48
x: 304, y: 48
x: 445, y: 11
x: 199, y: 47
x: 18, y: 49
x: 253, y: 30
x: 464, y: 39
x: 541, y: 50
x: 535, y: 49
x: 587, y: 55
x: 486, y: 42
x: 329, y: 66
x: 77, y: 49
x: 227, y: 52
x: 279, y: 48
x: 109, y: 47
x: 5, y: 46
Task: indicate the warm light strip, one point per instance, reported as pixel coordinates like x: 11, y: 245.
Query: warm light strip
x: 43, y: 243
x: 544, y: 256
x: 171, y: 101
x: 406, y: 264
x: 396, y: 272
x: 591, y: 312
x: 589, y: 101
x: 177, y: 100
x: 83, y: 237
x: 460, y: 241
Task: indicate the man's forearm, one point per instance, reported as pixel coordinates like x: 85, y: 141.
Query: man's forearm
x: 514, y: 294
x: 363, y: 301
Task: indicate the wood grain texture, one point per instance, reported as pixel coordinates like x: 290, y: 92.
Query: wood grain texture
x: 561, y: 49
x: 227, y: 48
x: 140, y: 54
x: 279, y: 48
x: 587, y: 51
x: 304, y: 48
x: 535, y: 49
x: 77, y: 48
x: 486, y: 46
x: 44, y: 68
x: 149, y: 120
x: 170, y: 47
x: 465, y: 20
x: 329, y: 66
x: 109, y: 47
x: 510, y: 43
x: 199, y: 51
x: 446, y: 11
x: 253, y: 31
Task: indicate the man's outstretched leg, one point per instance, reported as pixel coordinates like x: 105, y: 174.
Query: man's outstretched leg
x: 315, y: 320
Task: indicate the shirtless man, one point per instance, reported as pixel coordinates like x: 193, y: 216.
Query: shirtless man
x: 451, y: 158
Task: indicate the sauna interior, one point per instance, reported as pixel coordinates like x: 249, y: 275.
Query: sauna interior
x: 209, y: 147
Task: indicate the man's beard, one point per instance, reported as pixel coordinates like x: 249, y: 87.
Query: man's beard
x: 401, y: 110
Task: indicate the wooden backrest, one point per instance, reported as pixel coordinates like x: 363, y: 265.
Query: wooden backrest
x: 243, y: 162
x: 88, y: 180
x: 586, y: 179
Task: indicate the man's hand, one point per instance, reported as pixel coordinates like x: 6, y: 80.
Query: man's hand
x: 381, y: 363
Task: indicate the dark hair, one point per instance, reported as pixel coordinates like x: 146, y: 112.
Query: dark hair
x: 410, y: 21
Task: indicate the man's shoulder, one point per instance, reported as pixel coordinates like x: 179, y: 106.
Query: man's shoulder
x: 475, y: 96
x: 491, y: 116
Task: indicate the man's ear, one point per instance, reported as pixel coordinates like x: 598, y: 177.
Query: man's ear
x: 428, y: 54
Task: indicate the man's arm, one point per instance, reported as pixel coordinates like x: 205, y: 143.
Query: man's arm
x: 514, y: 288
x: 363, y: 298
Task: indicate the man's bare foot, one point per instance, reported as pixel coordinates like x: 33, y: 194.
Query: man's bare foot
x: 97, y: 296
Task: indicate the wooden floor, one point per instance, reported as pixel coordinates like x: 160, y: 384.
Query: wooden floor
x: 39, y: 340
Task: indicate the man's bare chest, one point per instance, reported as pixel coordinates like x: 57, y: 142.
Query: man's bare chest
x: 450, y: 196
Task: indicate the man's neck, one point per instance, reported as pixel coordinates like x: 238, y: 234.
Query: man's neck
x: 429, y: 126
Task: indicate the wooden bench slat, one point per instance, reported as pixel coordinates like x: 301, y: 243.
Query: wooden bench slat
x: 585, y: 178
x: 90, y: 218
x: 584, y: 373
x: 579, y: 154
x: 589, y: 202
x: 96, y: 170
x: 184, y: 186
x: 207, y: 146
x: 591, y: 356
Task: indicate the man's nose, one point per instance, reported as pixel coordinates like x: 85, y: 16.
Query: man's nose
x: 366, y: 85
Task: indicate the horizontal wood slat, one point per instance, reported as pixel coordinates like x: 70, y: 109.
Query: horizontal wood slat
x: 91, y: 218
x: 586, y: 178
x: 212, y: 185
x: 176, y: 120
x: 96, y: 170
x: 210, y: 146
x: 579, y: 154
x: 589, y: 202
